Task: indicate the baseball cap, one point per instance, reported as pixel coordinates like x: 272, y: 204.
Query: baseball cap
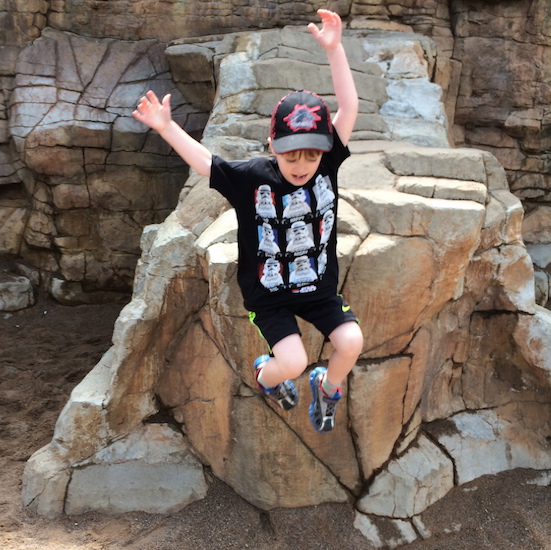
x: 301, y: 120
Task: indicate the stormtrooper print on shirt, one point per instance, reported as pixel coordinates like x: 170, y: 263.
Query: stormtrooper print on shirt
x: 303, y: 232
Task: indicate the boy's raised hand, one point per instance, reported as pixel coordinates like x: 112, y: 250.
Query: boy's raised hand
x: 152, y: 112
x: 329, y: 36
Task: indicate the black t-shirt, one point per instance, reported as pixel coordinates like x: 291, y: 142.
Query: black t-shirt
x: 287, y: 235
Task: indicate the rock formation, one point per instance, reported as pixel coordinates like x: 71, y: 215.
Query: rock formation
x: 95, y: 177
x: 503, y: 105
x: 453, y: 382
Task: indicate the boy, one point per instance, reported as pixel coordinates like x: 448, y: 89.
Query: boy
x: 289, y: 199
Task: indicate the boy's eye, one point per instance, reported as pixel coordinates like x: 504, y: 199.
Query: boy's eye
x: 310, y: 156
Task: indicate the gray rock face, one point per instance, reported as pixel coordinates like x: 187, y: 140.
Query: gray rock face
x: 433, y: 262
x: 93, y: 176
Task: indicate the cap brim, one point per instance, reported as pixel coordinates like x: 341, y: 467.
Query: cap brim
x: 286, y: 144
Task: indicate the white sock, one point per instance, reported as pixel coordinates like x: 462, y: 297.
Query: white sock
x: 329, y: 389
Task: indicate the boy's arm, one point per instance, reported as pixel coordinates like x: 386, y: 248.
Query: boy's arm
x: 329, y: 38
x: 157, y: 115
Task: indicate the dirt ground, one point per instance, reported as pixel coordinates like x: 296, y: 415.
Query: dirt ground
x: 47, y: 349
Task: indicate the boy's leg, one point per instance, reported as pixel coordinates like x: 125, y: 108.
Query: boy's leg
x: 273, y: 374
x: 347, y: 340
x: 279, y: 328
x: 334, y: 318
x: 289, y: 361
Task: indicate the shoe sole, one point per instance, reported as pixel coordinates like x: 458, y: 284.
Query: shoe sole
x: 285, y: 405
x: 328, y: 424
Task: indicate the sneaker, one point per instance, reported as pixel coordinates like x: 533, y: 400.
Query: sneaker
x: 284, y: 394
x: 322, y: 409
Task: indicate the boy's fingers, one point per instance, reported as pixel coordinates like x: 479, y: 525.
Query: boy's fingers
x: 138, y: 109
x: 152, y: 97
x: 313, y: 29
x: 328, y: 16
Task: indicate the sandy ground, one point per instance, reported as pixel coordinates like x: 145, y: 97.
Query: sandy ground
x: 47, y: 349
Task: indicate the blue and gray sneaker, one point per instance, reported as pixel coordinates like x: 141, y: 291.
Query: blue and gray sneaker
x: 322, y: 409
x: 284, y: 394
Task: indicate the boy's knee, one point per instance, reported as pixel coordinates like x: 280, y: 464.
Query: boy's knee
x: 291, y: 356
x: 350, y: 340
x: 296, y: 366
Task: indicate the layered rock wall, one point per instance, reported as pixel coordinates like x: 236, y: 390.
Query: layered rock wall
x: 504, y: 105
x: 81, y: 177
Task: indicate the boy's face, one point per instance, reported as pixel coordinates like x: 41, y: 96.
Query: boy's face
x: 298, y: 167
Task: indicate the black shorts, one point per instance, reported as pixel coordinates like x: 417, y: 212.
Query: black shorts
x: 326, y: 315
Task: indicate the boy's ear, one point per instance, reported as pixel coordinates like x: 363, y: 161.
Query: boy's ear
x: 270, y: 144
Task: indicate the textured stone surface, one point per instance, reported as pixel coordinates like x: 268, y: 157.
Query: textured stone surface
x: 385, y: 532
x: 153, y: 470
x: 376, y: 421
x: 72, y: 101
x: 410, y: 483
x: 427, y: 358
x: 483, y: 444
x: 16, y: 292
x: 77, y: 150
x: 504, y: 95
